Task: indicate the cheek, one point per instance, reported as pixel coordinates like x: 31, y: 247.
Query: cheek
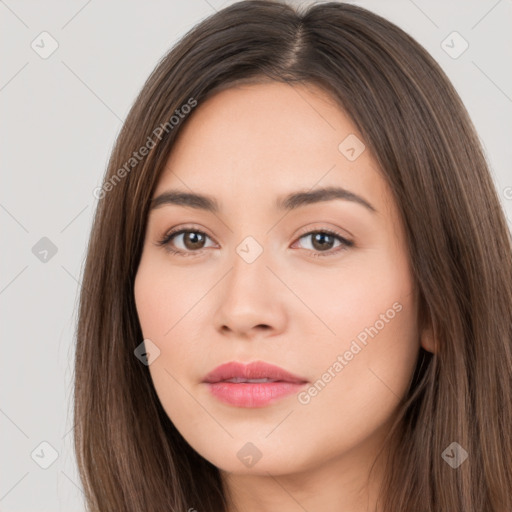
x: 371, y: 309
x: 165, y: 303
x: 163, y: 297
x: 171, y: 309
x: 371, y: 287
x: 152, y: 297
x: 361, y: 378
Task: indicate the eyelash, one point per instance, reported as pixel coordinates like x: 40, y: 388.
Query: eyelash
x: 345, y: 243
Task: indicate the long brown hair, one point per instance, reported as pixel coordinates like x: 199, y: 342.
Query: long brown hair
x: 130, y: 455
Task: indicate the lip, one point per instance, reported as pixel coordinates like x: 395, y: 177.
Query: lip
x: 246, y: 394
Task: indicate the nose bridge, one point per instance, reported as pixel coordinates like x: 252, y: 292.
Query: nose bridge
x: 249, y: 267
x: 250, y: 295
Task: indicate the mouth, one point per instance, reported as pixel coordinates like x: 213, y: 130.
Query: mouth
x: 257, y: 384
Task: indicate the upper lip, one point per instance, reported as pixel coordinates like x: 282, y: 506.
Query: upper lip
x: 254, y: 370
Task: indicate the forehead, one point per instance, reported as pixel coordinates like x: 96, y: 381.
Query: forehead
x: 254, y: 143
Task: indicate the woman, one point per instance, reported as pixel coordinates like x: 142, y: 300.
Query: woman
x: 297, y: 293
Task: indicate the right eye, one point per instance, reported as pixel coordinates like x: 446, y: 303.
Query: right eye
x: 192, y: 239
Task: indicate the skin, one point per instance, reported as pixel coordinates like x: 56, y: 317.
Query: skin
x: 246, y: 146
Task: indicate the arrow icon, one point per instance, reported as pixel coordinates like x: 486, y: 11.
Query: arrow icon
x: 44, y: 455
x: 143, y: 354
x: 44, y: 250
x: 44, y: 44
x: 454, y: 455
x: 454, y: 45
x: 351, y: 147
x: 249, y: 249
x: 249, y: 454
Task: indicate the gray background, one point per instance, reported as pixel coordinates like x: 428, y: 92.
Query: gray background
x: 60, y: 117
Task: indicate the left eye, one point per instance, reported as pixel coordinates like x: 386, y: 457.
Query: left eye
x: 322, y: 241
x: 194, y: 240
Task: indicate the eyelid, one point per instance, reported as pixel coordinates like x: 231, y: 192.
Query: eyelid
x: 322, y: 227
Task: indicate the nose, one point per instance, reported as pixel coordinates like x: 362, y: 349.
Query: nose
x: 251, y: 300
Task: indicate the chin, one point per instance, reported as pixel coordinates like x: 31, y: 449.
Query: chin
x: 253, y: 458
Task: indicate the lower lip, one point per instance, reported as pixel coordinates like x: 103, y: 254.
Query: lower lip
x: 252, y: 395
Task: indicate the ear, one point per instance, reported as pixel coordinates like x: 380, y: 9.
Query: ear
x: 428, y: 339
x: 427, y: 331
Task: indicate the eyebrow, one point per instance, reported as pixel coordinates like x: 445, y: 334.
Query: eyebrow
x: 289, y: 202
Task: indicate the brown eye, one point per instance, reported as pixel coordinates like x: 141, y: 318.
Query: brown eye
x: 323, y: 242
x: 184, y: 241
x: 193, y: 240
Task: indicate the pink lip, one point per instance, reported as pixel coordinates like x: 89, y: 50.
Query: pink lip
x: 252, y: 394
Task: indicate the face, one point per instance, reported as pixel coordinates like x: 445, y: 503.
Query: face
x: 318, y: 285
